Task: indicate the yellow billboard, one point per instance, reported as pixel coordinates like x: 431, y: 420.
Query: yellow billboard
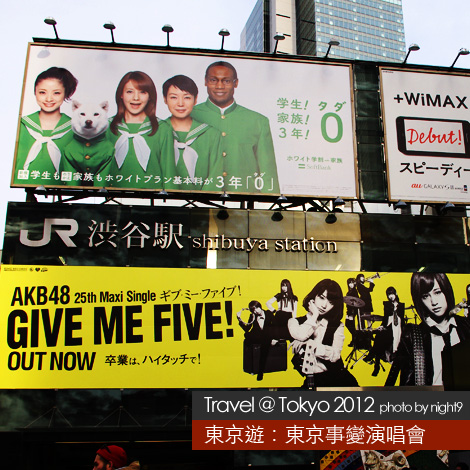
x: 105, y: 327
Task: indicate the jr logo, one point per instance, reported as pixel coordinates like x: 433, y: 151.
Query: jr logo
x: 63, y: 233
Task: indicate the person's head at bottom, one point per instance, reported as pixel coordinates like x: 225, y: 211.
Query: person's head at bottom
x: 110, y: 458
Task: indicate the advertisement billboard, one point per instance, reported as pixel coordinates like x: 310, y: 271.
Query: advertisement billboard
x: 427, y: 135
x: 76, y: 327
x: 146, y: 120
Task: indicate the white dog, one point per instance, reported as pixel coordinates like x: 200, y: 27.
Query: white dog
x: 88, y: 156
x: 89, y: 120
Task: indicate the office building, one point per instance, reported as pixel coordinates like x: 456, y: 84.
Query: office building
x: 366, y: 29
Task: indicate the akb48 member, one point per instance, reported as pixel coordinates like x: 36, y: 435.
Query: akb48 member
x: 319, y: 337
x: 45, y: 133
x: 418, y: 358
x: 286, y: 308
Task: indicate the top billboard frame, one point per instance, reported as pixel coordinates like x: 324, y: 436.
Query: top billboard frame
x: 269, y: 135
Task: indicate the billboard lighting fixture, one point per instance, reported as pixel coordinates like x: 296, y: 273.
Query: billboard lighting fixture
x: 281, y: 199
x: 224, y: 196
x: 110, y: 25
x: 222, y: 214
x: 462, y: 51
x: 445, y: 208
x: 278, y: 37
x: 399, y: 205
x: 51, y: 21
x: 223, y: 32
x: 331, y: 218
x: 412, y: 47
x: 277, y: 216
x: 333, y: 42
x: 338, y: 202
x: 167, y: 28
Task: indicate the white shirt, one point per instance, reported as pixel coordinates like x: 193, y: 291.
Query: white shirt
x: 311, y: 334
x: 437, y: 345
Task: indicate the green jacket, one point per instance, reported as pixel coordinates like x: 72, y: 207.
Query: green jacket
x: 201, y: 146
x: 128, y: 170
x: 87, y: 161
x: 38, y: 162
x: 247, y: 147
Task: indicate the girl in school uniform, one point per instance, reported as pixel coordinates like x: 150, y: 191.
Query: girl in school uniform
x: 318, y: 338
x: 137, y: 136
x: 194, y: 161
x: 286, y: 308
x: 45, y: 133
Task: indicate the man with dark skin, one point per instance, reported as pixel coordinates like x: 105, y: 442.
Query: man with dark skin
x: 247, y: 145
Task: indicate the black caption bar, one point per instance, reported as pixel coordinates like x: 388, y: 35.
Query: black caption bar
x: 409, y: 405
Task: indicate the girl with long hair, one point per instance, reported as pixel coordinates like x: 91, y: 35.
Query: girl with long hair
x: 45, y: 133
x: 319, y: 337
x: 286, y: 308
x: 388, y: 334
x: 136, y: 134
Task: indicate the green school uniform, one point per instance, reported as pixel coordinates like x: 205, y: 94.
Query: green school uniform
x: 86, y: 162
x: 40, y: 151
x: 194, y: 161
x: 137, y: 153
x: 247, y: 147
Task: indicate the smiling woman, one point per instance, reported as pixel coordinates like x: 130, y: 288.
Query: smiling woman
x: 44, y: 134
x: 195, y: 156
x: 133, y: 130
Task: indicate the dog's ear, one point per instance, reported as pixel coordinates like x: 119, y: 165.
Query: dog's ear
x: 75, y: 105
x: 105, y: 105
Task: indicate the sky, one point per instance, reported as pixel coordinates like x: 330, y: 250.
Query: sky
x: 439, y: 28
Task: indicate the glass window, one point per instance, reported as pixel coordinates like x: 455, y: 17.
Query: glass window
x: 372, y: 185
x: 367, y: 103
x: 389, y: 257
x: 443, y: 258
x: 378, y: 228
x: 370, y: 157
x: 445, y: 230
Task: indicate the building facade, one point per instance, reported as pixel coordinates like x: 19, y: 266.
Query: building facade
x: 366, y: 29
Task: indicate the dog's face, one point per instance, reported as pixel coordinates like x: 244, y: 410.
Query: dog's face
x: 89, y: 120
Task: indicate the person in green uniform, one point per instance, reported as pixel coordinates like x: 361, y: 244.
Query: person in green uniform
x: 247, y: 144
x: 194, y: 161
x: 136, y: 135
x: 44, y: 134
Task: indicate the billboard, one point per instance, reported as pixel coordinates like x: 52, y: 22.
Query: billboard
x: 144, y: 120
x: 72, y: 327
x: 427, y: 135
